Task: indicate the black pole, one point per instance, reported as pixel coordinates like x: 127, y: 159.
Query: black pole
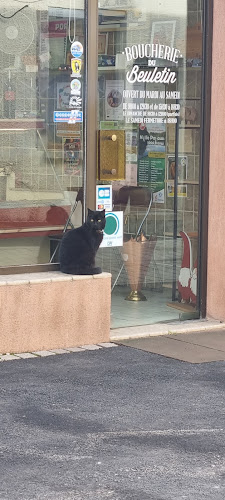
x: 205, y: 153
x: 174, y: 286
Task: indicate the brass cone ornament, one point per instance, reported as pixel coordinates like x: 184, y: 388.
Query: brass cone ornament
x: 137, y: 254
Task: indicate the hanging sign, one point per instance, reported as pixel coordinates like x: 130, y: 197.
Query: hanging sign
x: 76, y: 49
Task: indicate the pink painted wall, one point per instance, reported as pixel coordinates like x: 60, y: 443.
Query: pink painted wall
x: 216, y: 240
x: 51, y: 310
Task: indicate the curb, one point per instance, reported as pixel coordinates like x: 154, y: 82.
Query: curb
x: 53, y: 352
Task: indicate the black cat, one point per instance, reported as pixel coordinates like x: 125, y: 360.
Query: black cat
x: 79, y: 246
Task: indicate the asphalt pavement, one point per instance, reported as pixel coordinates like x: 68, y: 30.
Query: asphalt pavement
x: 116, y: 423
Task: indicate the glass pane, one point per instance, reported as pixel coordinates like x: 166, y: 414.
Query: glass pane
x: 150, y: 72
x: 41, y: 129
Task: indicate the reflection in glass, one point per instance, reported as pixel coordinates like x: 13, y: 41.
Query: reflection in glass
x: 41, y: 160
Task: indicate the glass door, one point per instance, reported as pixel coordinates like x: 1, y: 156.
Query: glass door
x: 149, y: 121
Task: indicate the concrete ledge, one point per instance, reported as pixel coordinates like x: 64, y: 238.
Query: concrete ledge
x: 138, y: 332
x: 42, y: 311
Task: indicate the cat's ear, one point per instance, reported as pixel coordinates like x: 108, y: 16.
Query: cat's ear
x: 90, y: 212
x: 102, y: 213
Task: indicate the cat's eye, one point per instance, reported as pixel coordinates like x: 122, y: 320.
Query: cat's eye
x: 92, y: 220
x: 99, y: 220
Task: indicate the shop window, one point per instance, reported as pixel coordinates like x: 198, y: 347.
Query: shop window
x: 41, y: 126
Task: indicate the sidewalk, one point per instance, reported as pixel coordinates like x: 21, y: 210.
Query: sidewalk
x: 166, y: 328
x: 196, y: 347
x: 112, y: 423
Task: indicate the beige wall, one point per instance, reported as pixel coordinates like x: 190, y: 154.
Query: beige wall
x: 216, y: 245
x: 52, y: 310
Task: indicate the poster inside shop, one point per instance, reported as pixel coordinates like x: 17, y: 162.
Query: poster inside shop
x: 114, y: 99
x: 71, y: 148
x: 182, y: 176
x: 63, y: 95
x: 151, y: 138
x: 151, y: 173
x: 151, y: 159
x: 131, y: 146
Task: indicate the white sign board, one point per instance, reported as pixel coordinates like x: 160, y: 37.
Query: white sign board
x: 104, y: 198
x: 113, y: 232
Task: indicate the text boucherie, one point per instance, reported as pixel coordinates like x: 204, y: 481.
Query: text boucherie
x: 152, y: 50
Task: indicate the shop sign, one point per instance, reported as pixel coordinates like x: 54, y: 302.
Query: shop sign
x: 104, y: 197
x: 76, y: 49
x: 153, y: 52
x: 151, y: 105
x: 113, y: 232
x: 72, y: 116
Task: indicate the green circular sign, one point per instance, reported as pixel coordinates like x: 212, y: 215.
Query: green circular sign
x: 111, y: 225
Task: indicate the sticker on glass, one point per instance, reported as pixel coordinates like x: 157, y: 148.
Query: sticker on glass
x: 72, y: 116
x: 76, y: 67
x: 75, y: 116
x: 75, y: 86
x: 76, y: 49
x: 75, y: 102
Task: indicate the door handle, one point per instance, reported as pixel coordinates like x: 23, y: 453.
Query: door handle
x: 112, y: 137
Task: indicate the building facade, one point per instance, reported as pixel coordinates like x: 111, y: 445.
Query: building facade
x: 117, y: 106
